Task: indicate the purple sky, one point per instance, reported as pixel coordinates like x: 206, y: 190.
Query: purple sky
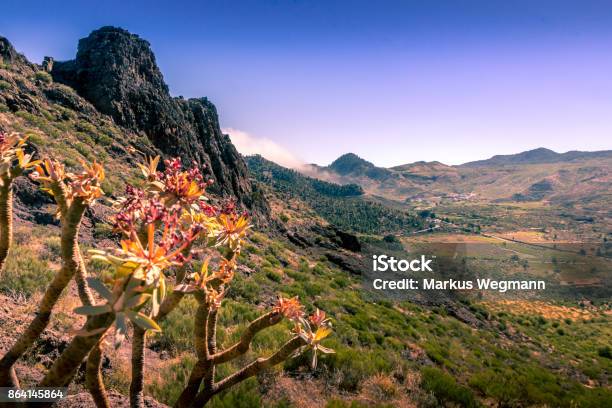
x: 394, y: 82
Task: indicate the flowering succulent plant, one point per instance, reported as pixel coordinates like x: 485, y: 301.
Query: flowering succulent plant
x: 13, y: 159
x: 165, y: 223
x: 86, y: 186
x: 13, y: 163
x: 313, y: 331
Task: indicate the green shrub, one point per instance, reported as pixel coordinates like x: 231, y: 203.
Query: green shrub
x: 102, y: 230
x: 445, y: 388
x: 340, y: 282
x: 353, y: 365
x: 171, y: 380
x: 605, y: 352
x: 273, y: 275
x: 25, y: 272
x: 83, y: 149
x: 245, y: 289
x: 43, y: 76
x: 502, y: 386
x: 53, y: 247
x: 177, y: 328
x: 244, y: 395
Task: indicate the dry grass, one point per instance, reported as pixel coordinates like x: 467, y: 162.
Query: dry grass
x: 544, y: 309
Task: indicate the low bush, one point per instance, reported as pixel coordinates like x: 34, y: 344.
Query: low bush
x: 25, y: 272
x: 445, y: 388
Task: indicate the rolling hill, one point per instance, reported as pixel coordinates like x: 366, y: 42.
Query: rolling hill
x: 571, y: 179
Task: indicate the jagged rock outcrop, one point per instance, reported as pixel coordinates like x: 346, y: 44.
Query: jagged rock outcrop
x: 116, y: 71
x: 7, y: 52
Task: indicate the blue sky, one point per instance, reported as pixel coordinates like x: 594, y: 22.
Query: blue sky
x: 394, y: 82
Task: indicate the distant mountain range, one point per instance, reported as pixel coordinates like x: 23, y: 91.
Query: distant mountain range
x: 350, y: 164
x: 538, y: 156
x: 534, y: 175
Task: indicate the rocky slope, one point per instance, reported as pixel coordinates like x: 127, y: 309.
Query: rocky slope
x: 111, y: 103
x: 116, y: 71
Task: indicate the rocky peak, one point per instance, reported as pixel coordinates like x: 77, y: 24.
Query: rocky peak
x: 8, y: 54
x: 116, y: 71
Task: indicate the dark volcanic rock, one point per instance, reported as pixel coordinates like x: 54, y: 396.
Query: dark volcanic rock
x: 348, y: 263
x: 68, y: 98
x: 7, y: 52
x: 116, y: 71
x: 335, y: 238
x: 348, y: 241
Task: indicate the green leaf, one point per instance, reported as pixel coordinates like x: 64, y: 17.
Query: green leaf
x: 92, y: 310
x: 101, y: 258
x: 136, y: 300
x: 143, y: 321
x: 162, y: 288
x: 99, y: 287
x: 134, y: 285
x: 155, y: 303
x: 121, y: 329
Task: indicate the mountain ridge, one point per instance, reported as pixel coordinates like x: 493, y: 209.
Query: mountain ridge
x: 540, y: 155
x: 116, y: 71
x: 351, y: 163
x: 534, y: 175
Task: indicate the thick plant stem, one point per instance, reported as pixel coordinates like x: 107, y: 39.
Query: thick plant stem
x: 65, y: 367
x: 203, y: 372
x: 250, y: 370
x: 137, y: 383
x: 243, y: 345
x: 80, y: 277
x: 6, y: 220
x: 93, y: 377
x: 71, y: 220
x: 211, y: 334
x: 201, y: 347
x: 93, y: 374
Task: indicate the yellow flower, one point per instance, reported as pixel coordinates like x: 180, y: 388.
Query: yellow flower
x: 232, y: 230
x: 313, y: 340
x: 149, y: 168
x: 13, y: 160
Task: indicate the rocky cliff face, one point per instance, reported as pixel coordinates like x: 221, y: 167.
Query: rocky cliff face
x: 116, y: 71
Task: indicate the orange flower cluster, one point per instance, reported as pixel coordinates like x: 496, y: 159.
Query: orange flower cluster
x: 13, y: 159
x: 312, y: 330
x: 86, y: 185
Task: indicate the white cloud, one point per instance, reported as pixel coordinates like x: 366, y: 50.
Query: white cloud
x: 248, y: 144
